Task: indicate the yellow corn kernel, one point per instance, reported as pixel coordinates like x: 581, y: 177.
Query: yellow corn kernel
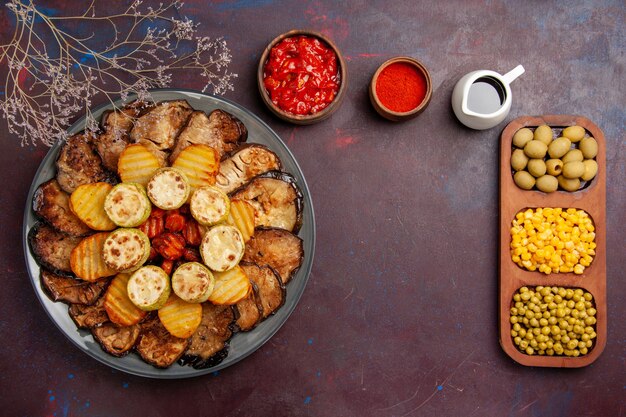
x: 579, y: 269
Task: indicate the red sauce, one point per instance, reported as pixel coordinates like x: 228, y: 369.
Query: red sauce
x: 301, y: 75
x: 400, y: 87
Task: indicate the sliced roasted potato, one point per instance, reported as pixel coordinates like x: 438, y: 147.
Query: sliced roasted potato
x: 179, y: 317
x: 86, y: 259
x: 137, y: 164
x: 119, y: 308
x: 200, y: 163
x: 87, y: 202
x: 241, y: 216
x: 230, y: 286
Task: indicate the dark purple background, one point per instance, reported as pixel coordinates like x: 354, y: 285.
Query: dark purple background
x: 400, y: 314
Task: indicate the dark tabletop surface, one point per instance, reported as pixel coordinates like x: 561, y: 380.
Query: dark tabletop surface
x: 399, y: 317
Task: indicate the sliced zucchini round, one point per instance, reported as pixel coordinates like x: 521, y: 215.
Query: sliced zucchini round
x: 222, y: 247
x: 209, y: 205
x: 149, y: 287
x: 193, y: 282
x: 127, y: 205
x: 126, y: 249
x: 168, y: 188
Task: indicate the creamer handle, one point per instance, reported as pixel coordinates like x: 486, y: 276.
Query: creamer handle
x: 510, y: 76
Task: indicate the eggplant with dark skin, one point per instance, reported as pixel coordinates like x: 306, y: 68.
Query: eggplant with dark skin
x: 278, y: 248
x: 71, y: 290
x: 116, y: 340
x: 161, y: 125
x: 157, y: 346
x: 248, y: 162
x: 277, y: 200
x: 220, y: 130
x: 271, y: 291
x: 78, y: 163
x: 115, y: 136
x: 52, y: 248
x: 208, y: 345
x: 249, y: 311
x: 89, y: 316
x: 52, y: 204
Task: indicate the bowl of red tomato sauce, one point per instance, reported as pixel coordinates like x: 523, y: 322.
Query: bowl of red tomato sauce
x: 401, y: 88
x: 302, y: 77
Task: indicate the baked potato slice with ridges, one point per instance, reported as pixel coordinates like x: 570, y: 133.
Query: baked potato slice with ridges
x: 157, y: 346
x: 278, y: 248
x: 116, y: 340
x: 52, y: 204
x: 71, y: 290
x: 51, y: 248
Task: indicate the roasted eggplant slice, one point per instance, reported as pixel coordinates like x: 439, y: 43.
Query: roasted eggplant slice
x: 249, y: 311
x: 88, y: 317
x: 157, y: 346
x: 276, y: 199
x: 51, y: 248
x: 278, y: 248
x: 116, y: 126
x: 220, y: 130
x: 208, y: 345
x: 114, y: 339
x: 271, y: 291
x: 245, y: 164
x: 52, y: 204
x: 162, y: 124
x: 71, y: 290
x: 78, y: 163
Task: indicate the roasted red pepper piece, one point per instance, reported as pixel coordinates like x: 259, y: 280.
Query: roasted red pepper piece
x: 170, y: 246
x: 174, y: 221
x: 167, y: 266
x: 152, y: 227
x: 192, y: 233
x: 192, y: 255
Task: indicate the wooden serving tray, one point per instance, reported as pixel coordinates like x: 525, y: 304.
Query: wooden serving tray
x: 592, y: 199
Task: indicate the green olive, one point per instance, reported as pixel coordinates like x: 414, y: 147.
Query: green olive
x: 522, y: 137
x: 536, y: 167
x: 573, y: 169
x: 543, y: 134
x: 568, y: 184
x: 547, y: 183
x: 574, y: 133
x: 554, y: 166
x: 519, y: 160
x: 524, y: 181
x: 573, y: 155
x: 536, y: 149
x: 559, y: 147
x: 591, y: 169
x: 589, y: 147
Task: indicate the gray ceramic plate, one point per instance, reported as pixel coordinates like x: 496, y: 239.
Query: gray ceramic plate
x: 241, y: 344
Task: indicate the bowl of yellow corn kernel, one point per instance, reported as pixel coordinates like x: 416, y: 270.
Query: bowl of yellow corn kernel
x: 552, y: 265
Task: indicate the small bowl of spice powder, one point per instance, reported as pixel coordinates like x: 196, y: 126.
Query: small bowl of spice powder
x: 400, y: 89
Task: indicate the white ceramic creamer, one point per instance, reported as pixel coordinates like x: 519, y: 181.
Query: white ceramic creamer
x: 482, y: 99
